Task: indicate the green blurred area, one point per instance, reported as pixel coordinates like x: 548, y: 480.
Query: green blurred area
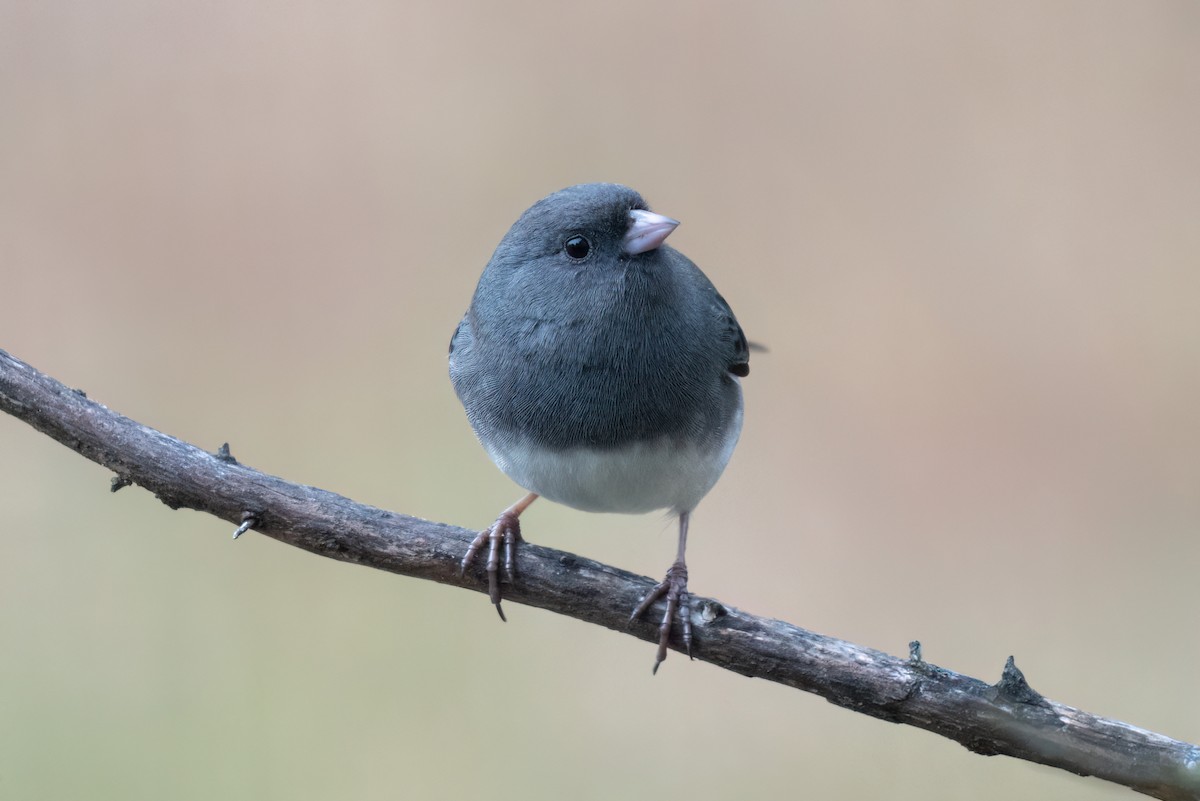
x: 967, y: 233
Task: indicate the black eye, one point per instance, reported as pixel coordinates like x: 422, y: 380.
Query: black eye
x: 577, y: 247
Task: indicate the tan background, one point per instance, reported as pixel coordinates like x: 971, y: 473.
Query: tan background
x: 968, y: 233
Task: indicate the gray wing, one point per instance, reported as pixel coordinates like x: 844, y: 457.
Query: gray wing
x: 734, y: 339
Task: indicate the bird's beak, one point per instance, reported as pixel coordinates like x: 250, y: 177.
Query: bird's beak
x: 647, y: 231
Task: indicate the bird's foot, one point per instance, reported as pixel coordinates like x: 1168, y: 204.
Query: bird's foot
x: 674, y: 588
x: 504, y: 534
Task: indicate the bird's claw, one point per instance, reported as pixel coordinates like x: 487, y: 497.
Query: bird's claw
x: 504, y: 534
x: 674, y: 588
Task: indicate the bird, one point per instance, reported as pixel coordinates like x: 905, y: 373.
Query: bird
x: 600, y: 369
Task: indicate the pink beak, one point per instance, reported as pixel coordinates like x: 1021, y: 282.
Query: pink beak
x: 647, y: 231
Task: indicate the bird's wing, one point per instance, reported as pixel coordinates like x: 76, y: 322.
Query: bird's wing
x: 734, y: 340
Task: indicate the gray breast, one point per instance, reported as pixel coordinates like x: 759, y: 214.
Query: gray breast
x: 628, y: 366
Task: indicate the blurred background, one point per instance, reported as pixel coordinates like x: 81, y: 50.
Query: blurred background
x: 968, y: 234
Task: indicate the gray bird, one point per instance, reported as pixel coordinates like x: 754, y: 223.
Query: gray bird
x: 599, y: 369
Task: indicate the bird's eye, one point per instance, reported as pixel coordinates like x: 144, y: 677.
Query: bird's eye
x: 577, y: 247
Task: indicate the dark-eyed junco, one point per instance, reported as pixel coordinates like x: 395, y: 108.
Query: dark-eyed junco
x: 599, y: 368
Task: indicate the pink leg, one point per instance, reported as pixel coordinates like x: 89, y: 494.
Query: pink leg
x: 674, y: 588
x: 506, y: 532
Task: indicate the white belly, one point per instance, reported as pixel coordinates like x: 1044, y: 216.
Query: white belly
x: 658, y: 474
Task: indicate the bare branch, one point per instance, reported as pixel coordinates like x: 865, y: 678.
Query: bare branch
x: 1006, y: 718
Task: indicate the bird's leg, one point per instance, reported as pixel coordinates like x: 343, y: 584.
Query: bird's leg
x: 674, y: 587
x: 506, y: 532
